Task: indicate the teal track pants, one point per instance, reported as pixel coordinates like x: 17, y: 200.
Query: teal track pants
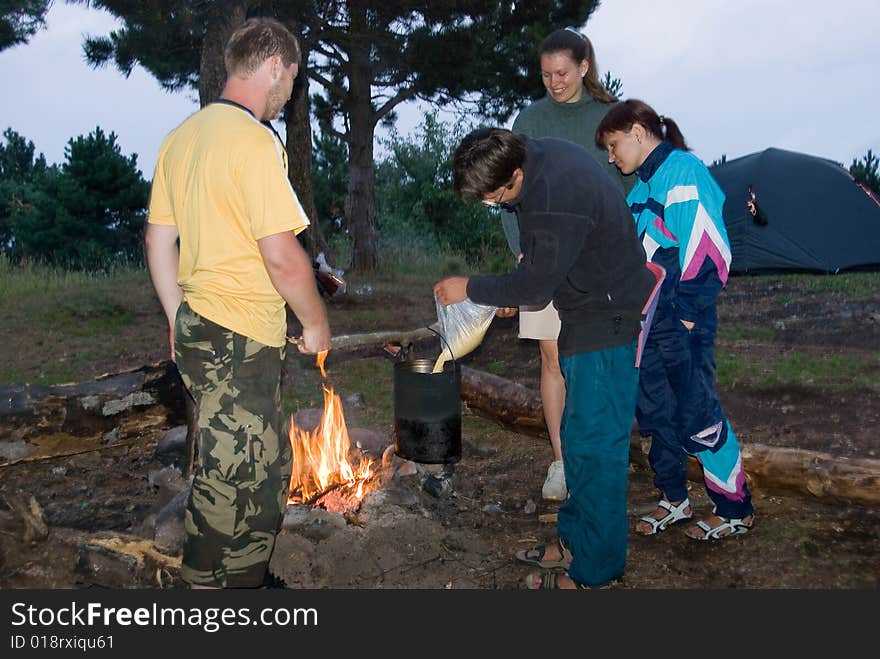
x: 600, y: 401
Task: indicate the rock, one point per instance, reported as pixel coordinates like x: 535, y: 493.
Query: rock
x: 172, y: 443
x: 170, y: 526
x: 438, y: 486
x: 405, y: 468
x: 371, y: 443
x: 308, y: 419
x: 295, y: 516
x: 355, y: 400
x: 16, y: 450
x: 478, y: 448
x: 314, y: 523
x: 169, y: 481
x: 492, y: 508
x: 530, y: 507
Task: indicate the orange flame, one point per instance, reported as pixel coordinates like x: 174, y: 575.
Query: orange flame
x: 320, y: 456
x: 319, y: 362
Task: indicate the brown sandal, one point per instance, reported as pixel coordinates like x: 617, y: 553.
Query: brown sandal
x: 549, y: 581
x: 535, y: 556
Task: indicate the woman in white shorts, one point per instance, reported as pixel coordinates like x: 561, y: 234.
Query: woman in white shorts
x: 574, y: 105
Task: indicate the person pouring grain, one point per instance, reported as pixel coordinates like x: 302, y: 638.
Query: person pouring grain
x: 580, y: 250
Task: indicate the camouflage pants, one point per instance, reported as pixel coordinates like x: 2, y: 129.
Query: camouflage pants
x: 243, y: 460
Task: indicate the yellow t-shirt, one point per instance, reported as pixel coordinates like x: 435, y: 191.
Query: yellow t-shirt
x: 221, y: 178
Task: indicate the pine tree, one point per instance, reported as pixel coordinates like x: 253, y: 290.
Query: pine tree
x: 866, y: 172
x: 20, y: 20
x: 89, y: 214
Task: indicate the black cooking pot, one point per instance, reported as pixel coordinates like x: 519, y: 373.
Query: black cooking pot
x: 427, y: 411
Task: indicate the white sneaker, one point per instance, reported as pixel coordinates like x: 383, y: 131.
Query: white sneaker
x: 554, y: 487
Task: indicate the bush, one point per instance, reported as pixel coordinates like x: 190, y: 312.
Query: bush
x: 415, y: 203
x: 88, y: 214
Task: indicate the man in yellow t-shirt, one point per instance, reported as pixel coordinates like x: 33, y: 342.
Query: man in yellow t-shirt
x: 221, y: 189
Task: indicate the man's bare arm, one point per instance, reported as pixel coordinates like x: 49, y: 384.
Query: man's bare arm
x: 290, y: 270
x: 163, y: 258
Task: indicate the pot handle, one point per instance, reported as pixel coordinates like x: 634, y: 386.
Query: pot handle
x: 443, y: 338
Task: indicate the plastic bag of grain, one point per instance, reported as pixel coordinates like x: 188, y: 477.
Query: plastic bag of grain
x: 462, y: 326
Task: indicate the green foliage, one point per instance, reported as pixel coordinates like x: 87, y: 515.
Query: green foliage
x: 20, y: 20
x: 733, y: 333
x: 21, y: 175
x: 163, y: 36
x: 866, y: 171
x: 415, y: 202
x: 368, y: 56
x: 613, y: 85
x: 329, y: 179
x: 90, y: 213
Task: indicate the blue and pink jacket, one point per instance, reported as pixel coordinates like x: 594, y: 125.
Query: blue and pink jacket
x: 677, y: 207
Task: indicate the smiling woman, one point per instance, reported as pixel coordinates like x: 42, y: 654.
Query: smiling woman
x: 575, y: 103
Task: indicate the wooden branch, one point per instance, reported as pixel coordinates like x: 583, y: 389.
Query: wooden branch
x: 378, y: 339
x: 67, y: 454
x: 139, y: 550
x: 334, y: 89
x: 394, y: 101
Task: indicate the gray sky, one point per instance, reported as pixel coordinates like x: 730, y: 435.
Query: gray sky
x: 737, y: 75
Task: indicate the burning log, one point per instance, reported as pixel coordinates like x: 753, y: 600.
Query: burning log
x: 322, y: 471
x: 771, y: 469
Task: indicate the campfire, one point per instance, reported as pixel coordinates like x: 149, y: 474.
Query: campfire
x: 323, y: 472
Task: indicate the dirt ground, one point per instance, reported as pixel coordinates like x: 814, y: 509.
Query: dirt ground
x: 405, y: 537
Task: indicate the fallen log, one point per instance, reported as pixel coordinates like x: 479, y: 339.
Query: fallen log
x: 88, y: 407
x: 769, y: 469
x: 512, y: 405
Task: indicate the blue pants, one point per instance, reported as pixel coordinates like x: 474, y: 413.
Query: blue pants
x: 678, y: 406
x: 600, y: 399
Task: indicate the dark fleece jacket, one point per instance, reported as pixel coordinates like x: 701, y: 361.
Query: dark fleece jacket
x: 579, y: 247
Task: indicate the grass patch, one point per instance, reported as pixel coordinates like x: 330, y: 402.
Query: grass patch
x: 834, y: 372
x: 854, y: 286
x: 733, y: 333
x: 374, y: 378
x: 59, y: 326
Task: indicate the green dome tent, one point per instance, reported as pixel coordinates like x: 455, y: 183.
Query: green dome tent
x: 817, y: 217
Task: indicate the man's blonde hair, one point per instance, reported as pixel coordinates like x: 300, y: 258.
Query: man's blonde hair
x: 257, y: 40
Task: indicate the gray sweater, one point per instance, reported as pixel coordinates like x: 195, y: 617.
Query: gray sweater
x: 575, y: 122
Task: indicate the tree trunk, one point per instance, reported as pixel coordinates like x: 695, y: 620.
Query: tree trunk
x: 298, y: 130
x: 359, y: 204
x: 222, y: 20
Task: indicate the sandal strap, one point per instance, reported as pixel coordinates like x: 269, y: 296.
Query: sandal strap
x: 663, y: 503
x: 564, y: 551
x: 675, y: 514
x: 735, y: 525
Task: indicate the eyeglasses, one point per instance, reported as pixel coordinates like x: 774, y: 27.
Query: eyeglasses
x: 497, y: 201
